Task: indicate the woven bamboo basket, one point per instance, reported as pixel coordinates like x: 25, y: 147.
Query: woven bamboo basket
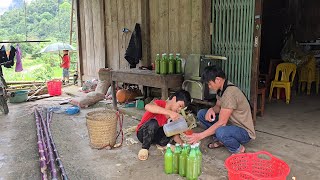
x: 102, y: 128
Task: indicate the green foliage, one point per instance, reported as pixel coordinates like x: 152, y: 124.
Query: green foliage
x: 43, y: 20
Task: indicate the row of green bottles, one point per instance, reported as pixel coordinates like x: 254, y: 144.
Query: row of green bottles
x: 169, y: 65
x: 186, y: 162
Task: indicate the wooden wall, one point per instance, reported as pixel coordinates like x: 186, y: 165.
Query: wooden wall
x: 180, y: 26
x: 91, y: 37
x: 124, y: 14
x: 171, y: 26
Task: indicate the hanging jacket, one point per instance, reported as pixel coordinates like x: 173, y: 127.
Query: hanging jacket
x: 11, y: 55
x: 19, y: 62
x: 134, y: 51
x: 3, y: 55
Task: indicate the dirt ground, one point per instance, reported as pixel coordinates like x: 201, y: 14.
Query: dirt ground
x: 19, y: 154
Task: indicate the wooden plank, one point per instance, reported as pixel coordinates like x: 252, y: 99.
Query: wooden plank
x: 134, y: 11
x: 206, y: 26
x: 98, y: 36
x: 108, y: 34
x: 144, y: 20
x: 81, y: 37
x: 256, y: 57
x: 185, y: 27
x: 164, y: 26
x: 196, y: 26
x: 114, y: 54
x: 154, y: 29
x: 123, y: 8
x: 174, y: 45
x: 89, y: 38
x: 104, y: 29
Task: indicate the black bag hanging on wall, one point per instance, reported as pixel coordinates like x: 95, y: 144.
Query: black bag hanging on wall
x: 134, y: 51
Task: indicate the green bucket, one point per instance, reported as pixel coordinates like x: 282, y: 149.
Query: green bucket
x: 19, y: 96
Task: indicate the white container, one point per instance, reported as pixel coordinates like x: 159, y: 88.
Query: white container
x: 175, y: 127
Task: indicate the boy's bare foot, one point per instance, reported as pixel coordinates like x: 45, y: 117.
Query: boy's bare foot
x: 143, y: 154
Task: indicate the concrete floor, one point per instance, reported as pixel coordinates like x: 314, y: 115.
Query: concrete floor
x: 289, y: 132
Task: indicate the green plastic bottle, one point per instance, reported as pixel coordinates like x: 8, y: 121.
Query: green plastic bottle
x: 176, y: 155
x: 192, y: 171
x: 164, y: 64
x: 178, y: 64
x: 188, y: 148
x: 168, y: 159
x: 158, y: 60
x: 172, y: 62
x: 183, y: 161
x: 199, y: 158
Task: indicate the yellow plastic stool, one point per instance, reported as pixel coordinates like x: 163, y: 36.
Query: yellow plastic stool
x: 309, y: 74
x: 288, y: 72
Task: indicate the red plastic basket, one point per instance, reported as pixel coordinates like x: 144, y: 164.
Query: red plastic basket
x: 54, y: 87
x: 252, y: 166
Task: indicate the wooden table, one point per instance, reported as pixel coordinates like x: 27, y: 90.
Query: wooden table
x: 146, y: 78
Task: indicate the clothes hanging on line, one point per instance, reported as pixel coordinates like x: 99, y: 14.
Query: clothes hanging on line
x: 4, y: 57
x: 19, y: 67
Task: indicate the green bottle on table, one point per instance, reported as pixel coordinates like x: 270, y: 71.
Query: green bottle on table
x: 157, y: 63
x: 168, y: 160
x: 172, y: 63
x: 164, y: 64
x: 178, y: 64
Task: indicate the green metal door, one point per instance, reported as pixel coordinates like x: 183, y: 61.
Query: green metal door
x: 233, y: 25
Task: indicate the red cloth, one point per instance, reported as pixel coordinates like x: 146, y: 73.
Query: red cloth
x: 162, y: 120
x: 65, y: 62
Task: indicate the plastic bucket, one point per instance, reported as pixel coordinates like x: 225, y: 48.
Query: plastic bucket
x: 175, y: 127
x: 54, y: 87
x: 19, y: 96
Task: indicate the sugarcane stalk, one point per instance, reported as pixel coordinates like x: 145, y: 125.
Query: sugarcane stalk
x: 55, y: 151
x: 42, y: 158
x: 44, y: 143
x: 52, y: 164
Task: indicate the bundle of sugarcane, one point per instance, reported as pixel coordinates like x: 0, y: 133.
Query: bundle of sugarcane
x: 48, y: 153
x: 42, y: 149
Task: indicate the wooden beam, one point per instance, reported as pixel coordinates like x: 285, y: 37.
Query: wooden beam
x: 81, y: 48
x: 256, y: 57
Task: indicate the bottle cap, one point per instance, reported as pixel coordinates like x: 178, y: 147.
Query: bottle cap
x: 177, y: 144
x: 168, y: 145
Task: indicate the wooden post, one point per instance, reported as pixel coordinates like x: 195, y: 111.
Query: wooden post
x: 256, y: 57
x: 79, y: 40
x: 71, y: 21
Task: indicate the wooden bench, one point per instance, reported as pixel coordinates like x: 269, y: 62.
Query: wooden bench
x: 146, y: 78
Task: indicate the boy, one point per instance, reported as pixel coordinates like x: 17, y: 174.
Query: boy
x: 65, y: 66
x: 150, y: 128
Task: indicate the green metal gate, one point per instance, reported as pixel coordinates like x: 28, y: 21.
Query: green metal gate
x: 233, y: 25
